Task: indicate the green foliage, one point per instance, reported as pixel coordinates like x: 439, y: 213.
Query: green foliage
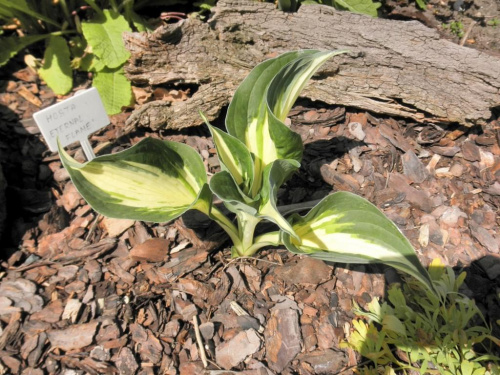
x: 344, y: 220
x: 422, y: 4
x: 158, y: 181
x: 494, y: 22
x: 456, y: 28
x: 426, y: 332
x: 93, y: 43
x: 357, y: 6
x: 56, y: 69
x: 104, y: 34
x: 11, y: 45
x: 114, y: 86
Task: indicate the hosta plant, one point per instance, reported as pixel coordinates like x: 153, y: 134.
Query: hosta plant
x: 417, y: 331
x: 158, y: 180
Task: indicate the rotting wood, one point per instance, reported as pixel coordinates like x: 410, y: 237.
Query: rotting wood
x: 394, y: 67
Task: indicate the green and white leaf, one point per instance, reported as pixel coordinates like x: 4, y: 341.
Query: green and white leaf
x: 10, y: 46
x: 223, y: 185
x: 56, y: 69
x: 275, y: 175
x: 346, y: 228
x: 152, y: 181
x: 114, y: 88
x: 234, y: 157
x: 262, y: 102
x: 104, y: 35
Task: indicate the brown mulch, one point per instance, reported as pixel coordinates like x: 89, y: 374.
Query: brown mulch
x: 83, y: 294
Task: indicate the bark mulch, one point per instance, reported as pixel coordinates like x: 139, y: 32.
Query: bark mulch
x: 83, y: 294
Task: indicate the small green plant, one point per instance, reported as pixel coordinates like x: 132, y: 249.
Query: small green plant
x: 494, y: 22
x: 81, y: 35
x: 357, y: 6
x: 422, y: 4
x: 426, y: 332
x: 456, y: 28
x: 160, y: 180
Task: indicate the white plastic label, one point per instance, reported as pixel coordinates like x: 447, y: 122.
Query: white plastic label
x: 73, y: 120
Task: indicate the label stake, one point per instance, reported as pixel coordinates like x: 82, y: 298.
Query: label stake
x: 73, y: 120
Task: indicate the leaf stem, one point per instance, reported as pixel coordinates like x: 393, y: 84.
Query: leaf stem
x: 267, y: 239
x: 227, y: 225
x: 246, y: 230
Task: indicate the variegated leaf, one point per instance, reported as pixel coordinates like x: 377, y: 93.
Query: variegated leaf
x: 223, y: 185
x: 152, y: 181
x: 262, y: 102
x: 275, y: 175
x: 346, y: 228
x: 234, y: 157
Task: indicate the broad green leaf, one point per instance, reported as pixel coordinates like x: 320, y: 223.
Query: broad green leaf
x: 223, y: 185
x: 92, y: 63
x: 275, y: 175
x: 10, y: 46
x: 261, y: 103
x: 56, y: 69
x: 234, y: 157
x: 114, y: 88
x: 104, y: 35
x: 346, y: 228
x: 249, y: 97
x: 289, y: 82
x: 367, y: 7
x: 152, y: 181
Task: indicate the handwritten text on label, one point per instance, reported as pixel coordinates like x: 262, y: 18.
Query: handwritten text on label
x: 73, y: 119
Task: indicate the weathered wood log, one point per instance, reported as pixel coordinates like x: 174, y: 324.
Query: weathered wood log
x: 394, y: 67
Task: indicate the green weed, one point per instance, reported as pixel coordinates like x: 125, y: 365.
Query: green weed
x: 417, y: 330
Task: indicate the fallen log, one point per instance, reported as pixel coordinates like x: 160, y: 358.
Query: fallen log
x: 395, y: 68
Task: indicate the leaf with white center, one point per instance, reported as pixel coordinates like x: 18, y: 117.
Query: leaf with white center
x: 262, y: 102
x: 275, y: 175
x: 104, y: 34
x: 346, y: 228
x: 234, y: 157
x: 152, y: 181
x: 223, y: 185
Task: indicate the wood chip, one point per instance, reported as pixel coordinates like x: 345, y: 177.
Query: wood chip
x: 116, y: 227
x: 231, y: 353
x: 74, y: 337
x: 283, y: 339
x: 152, y: 250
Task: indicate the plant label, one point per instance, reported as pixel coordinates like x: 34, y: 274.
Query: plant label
x: 73, y: 120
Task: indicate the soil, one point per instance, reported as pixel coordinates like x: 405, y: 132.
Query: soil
x: 83, y: 294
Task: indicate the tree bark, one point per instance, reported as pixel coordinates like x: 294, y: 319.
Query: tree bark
x: 394, y: 68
